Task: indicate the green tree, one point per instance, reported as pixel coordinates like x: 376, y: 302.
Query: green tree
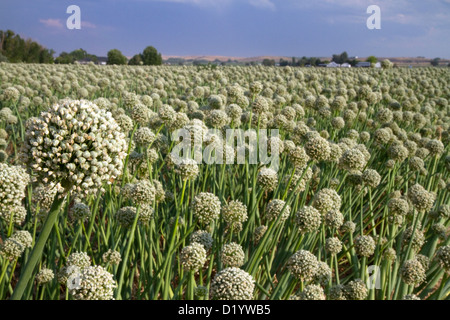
x: 283, y: 63
x: 136, y: 60
x: 16, y: 49
x: 372, y: 59
x: 302, y: 61
x: 268, y: 62
x: 46, y: 56
x: 340, y: 58
x: 435, y: 62
x: 353, y: 62
x: 78, y: 54
x: 151, y: 57
x: 116, y: 57
x: 64, y: 58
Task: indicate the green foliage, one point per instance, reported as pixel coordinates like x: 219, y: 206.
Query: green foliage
x: 435, y: 62
x: 16, y: 49
x: 283, y: 63
x: 116, y: 57
x: 151, y: 57
x: 76, y: 55
x: 372, y: 59
x: 353, y: 62
x: 136, y: 60
x: 340, y: 58
x: 268, y: 62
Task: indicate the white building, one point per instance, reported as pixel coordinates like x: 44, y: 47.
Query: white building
x: 333, y: 64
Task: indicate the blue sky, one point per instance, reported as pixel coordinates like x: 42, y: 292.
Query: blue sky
x: 239, y: 28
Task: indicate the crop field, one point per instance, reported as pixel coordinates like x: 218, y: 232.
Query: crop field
x: 220, y: 183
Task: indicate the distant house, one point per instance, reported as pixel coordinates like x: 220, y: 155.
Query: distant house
x: 102, y: 61
x: 84, y: 61
x: 333, y: 64
x: 346, y: 65
x: 363, y: 65
x: 378, y: 65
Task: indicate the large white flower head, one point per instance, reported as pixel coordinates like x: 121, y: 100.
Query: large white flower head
x: 232, y: 284
x: 77, y: 144
x: 95, y: 283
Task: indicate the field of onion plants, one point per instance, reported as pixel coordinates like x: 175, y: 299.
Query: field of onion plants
x: 350, y: 201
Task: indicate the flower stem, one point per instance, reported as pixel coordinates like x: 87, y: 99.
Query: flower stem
x: 38, y: 248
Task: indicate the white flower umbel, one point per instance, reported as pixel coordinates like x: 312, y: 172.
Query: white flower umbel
x: 77, y: 144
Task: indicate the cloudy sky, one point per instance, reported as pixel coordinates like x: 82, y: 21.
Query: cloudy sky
x: 240, y: 28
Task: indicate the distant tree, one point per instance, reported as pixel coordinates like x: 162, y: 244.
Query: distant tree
x: 372, y: 59
x: 340, y: 58
x: 302, y: 61
x: 353, y: 62
x: 283, y: 63
x: 435, y: 62
x: 46, y: 56
x: 79, y: 54
x: 64, y: 58
x: 136, y: 60
x: 116, y: 57
x: 16, y: 49
x: 151, y: 57
x: 76, y: 55
x: 268, y: 62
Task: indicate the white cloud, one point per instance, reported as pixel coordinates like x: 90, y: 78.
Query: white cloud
x: 263, y: 4
x: 52, y: 23
x: 214, y: 3
x: 87, y: 24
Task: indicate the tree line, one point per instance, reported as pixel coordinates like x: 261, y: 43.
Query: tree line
x: 149, y: 57
x: 314, y: 61
x: 14, y: 48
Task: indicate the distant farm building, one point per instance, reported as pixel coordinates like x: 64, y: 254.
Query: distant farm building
x: 333, y: 64
x: 363, y: 65
x: 100, y: 61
